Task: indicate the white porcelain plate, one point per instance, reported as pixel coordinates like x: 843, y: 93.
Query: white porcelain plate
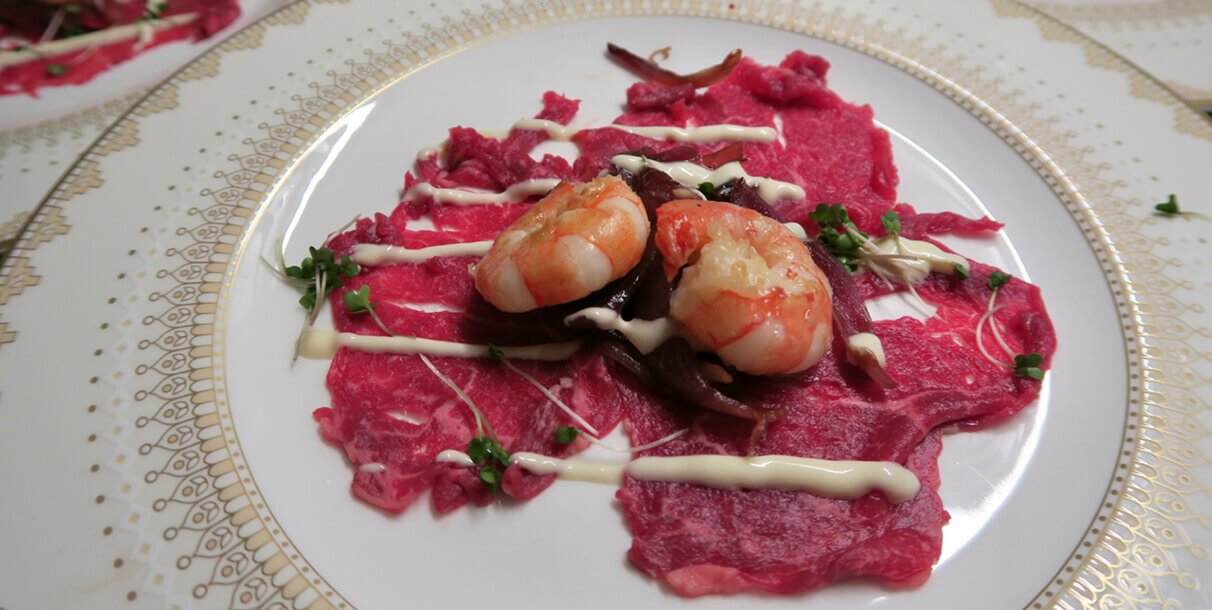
x: 185, y: 459
x: 40, y: 137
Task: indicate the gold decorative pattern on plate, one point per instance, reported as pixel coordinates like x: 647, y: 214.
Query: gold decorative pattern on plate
x: 52, y: 131
x: 1100, y: 56
x: 123, y: 134
x: 203, y: 481
x: 1128, y: 12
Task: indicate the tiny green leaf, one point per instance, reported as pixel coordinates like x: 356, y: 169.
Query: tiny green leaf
x: 478, y: 449
x: 348, y: 268
x: 498, y: 453
x: 308, y: 300
x: 495, y: 353
x: 707, y: 188
x: 997, y: 279
x: 1170, y: 207
x: 827, y: 215
x: 1027, y: 365
x: 962, y: 272
x: 892, y: 222
x: 72, y: 8
x: 56, y: 69
x: 323, y: 256
x: 566, y: 434
x: 358, y: 301
x: 491, y: 478
x: 482, y: 449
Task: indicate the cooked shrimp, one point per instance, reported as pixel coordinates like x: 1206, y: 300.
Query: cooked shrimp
x: 572, y: 242
x: 749, y: 290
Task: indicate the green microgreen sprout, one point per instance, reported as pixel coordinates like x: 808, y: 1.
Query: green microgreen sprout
x: 962, y: 272
x: 56, y: 69
x: 321, y: 274
x: 358, y: 301
x: 492, y: 459
x: 838, y: 233
x: 1170, y: 208
x: 566, y: 434
x: 498, y: 355
x: 707, y: 189
x: 892, y: 222
x: 1024, y: 365
x: 154, y: 11
x: 485, y: 448
x: 1027, y: 365
x: 997, y: 279
x: 72, y: 8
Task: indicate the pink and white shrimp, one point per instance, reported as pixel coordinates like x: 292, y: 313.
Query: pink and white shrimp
x: 749, y: 290
x: 571, y: 243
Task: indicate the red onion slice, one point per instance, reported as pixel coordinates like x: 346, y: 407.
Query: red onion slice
x: 649, y: 71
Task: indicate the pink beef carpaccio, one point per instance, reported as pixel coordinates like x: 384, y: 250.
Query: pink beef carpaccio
x: 695, y: 539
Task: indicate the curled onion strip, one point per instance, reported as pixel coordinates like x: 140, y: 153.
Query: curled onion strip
x: 649, y: 71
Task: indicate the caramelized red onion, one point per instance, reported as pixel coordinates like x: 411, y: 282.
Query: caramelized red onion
x: 728, y: 154
x: 850, y: 316
x: 650, y: 71
x: 738, y: 192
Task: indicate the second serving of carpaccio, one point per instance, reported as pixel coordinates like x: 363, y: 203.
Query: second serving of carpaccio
x: 698, y: 275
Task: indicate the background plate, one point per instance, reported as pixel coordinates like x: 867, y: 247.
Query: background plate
x: 215, y: 488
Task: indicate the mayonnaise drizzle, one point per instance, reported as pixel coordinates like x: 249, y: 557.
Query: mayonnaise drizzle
x: 704, y: 133
x: 692, y: 175
x: 846, y: 479
x: 645, y: 335
x: 516, y: 192
x: 908, y: 261
x: 323, y: 344
x: 374, y: 254
x: 860, y: 344
x: 797, y: 230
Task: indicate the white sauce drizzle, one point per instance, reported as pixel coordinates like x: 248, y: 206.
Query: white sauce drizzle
x: 797, y: 230
x: 408, y: 418
x: 323, y: 344
x: 845, y: 479
x: 373, y: 467
x: 778, y: 127
x: 458, y: 458
x: 374, y: 254
x: 84, y: 41
x: 692, y: 175
x: 516, y: 192
x: 645, y: 335
x: 908, y: 261
x: 864, y: 344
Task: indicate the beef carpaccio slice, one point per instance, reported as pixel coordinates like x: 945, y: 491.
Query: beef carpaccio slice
x: 391, y: 411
